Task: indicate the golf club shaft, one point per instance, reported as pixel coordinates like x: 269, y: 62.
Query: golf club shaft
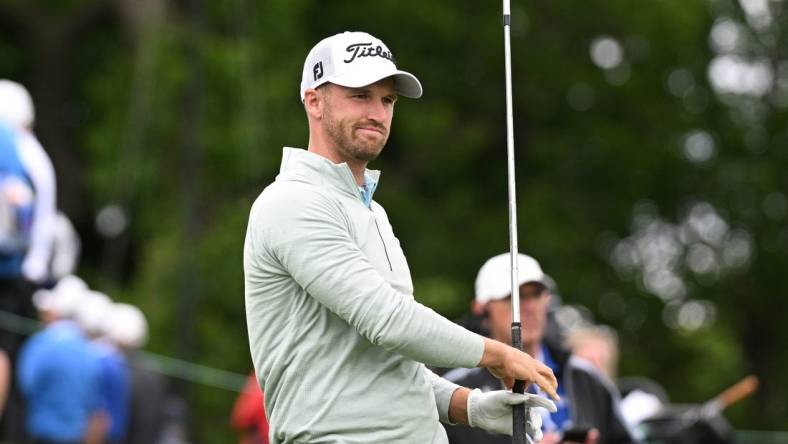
x: 519, y: 412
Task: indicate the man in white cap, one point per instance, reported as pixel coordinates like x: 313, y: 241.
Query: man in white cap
x: 337, y: 339
x: 588, y: 410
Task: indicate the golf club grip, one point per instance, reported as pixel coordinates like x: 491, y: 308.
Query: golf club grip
x: 519, y: 415
x: 518, y: 411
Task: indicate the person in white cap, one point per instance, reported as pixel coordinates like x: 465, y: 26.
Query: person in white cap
x: 124, y: 328
x: 59, y: 372
x: 339, y: 343
x: 128, y: 328
x: 588, y: 410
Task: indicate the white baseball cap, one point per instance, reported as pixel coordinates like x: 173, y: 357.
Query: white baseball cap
x: 125, y: 325
x: 64, y: 298
x: 16, y: 106
x: 494, y: 278
x: 355, y: 59
x: 92, y: 312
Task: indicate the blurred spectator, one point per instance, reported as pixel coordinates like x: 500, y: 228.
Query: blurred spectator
x: 554, y: 332
x: 599, y: 346
x: 148, y: 397
x: 5, y: 378
x: 16, y: 111
x: 100, y: 318
x: 176, y: 421
x: 151, y: 415
x: 59, y: 374
x: 66, y: 247
x: 92, y: 312
x: 125, y: 329
x: 248, y: 416
x: 588, y: 405
x: 149, y: 402
x: 7, y: 145
x: 27, y: 208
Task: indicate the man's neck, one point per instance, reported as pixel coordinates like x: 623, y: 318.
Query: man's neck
x: 357, y: 167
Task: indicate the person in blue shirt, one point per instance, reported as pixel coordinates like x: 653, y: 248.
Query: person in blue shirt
x: 113, y: 389
x: 98, y: 317
x: 27, y: 228
x: 120, y: 328
x: 59, y: 375
x: 30, y: 263
x: 6, y: 338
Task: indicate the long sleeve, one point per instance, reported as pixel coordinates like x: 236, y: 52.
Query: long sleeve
x: 42, y: 174
x: 443, y: 390
x: 337, y: 339
x: 308, y: 236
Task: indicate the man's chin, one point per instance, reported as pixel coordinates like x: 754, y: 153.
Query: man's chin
x: 368, y: 154
x: 369, y: 157
x: 530, y: 342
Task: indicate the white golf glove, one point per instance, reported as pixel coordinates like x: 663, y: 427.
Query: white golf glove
x: 492, y: 411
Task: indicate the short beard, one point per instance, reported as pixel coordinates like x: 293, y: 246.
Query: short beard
x: 341, y: 134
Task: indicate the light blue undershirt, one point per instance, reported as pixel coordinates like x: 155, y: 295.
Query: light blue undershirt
x: 368, y: 189
x: 561, y: 420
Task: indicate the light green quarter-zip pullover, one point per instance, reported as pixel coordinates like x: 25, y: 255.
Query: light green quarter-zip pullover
x: 338, y: 341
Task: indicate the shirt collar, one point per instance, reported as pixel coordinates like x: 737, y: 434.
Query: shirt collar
x: 310, y: 167
x: 369, y: 187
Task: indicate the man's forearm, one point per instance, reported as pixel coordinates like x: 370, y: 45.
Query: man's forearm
x: 494, y: 352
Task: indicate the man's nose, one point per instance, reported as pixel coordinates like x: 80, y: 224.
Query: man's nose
x: 528, y: 304
x: 376, y: 111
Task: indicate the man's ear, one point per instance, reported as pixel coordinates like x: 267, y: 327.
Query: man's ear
x: 313, y: 103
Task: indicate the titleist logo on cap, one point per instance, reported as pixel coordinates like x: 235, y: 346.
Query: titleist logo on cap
x: 358, y: 50
x: 353, y: 60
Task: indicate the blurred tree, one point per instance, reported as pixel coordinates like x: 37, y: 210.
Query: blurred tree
x: 49, y: 33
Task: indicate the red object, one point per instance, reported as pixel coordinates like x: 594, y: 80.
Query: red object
x: 248, y: 415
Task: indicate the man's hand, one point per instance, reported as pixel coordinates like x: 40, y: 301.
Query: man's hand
x: 508, y: 364
x: 492, y: 411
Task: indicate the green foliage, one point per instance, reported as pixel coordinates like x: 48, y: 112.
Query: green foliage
x: 185, y: 129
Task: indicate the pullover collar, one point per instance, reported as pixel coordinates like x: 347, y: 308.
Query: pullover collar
x: 312, y: 168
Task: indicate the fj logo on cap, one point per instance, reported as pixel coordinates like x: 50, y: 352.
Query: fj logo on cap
x: 358, y: 50
x: 318, y: 70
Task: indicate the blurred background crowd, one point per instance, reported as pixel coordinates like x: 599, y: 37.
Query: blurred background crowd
x: 67, y: 369
x: 651, y: 168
